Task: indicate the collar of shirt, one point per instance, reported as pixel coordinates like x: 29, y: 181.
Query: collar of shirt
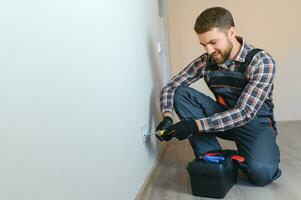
x: 239, y: 58
x: 242, y: 53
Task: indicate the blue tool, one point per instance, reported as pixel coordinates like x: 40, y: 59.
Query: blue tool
x: 215, y: 159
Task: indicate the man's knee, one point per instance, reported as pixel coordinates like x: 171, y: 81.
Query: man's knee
x: 263, y: 174
x: 183, y: 94
x: 180, y: 92
x: 190, y: 103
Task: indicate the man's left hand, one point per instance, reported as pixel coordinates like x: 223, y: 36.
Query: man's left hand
x: 183, y: 129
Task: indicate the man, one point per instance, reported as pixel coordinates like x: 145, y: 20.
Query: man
x: 241, y: 78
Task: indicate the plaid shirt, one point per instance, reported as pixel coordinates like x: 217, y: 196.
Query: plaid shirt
x: 260, y: 75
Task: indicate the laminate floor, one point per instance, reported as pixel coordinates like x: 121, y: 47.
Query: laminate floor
x: 171, y: 180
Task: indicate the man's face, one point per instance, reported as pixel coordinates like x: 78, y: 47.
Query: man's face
x: 217, y: 44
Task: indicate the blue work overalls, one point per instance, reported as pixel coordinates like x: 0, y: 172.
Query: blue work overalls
x: 256, y: 140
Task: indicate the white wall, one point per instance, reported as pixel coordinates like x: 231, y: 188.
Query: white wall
x: 271, y: 25
x: 77, y: 78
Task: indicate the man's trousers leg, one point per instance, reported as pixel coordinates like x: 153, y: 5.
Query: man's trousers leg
x: 189, y: 103
x: 256, y: 141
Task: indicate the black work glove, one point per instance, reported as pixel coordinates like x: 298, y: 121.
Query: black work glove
x: 164, y: 124
x: 183, y: 129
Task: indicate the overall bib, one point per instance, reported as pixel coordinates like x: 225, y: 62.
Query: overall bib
x: 255, y: 140
x: 227, y: 86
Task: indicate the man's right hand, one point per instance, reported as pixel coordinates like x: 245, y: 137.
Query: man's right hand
x: 165, y: 123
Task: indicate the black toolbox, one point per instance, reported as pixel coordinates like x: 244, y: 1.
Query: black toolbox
x: 211, y: 179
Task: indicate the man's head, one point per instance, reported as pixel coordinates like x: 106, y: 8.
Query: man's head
x: 216, y: 32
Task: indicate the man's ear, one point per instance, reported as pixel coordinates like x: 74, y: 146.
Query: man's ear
x: 231, y: 33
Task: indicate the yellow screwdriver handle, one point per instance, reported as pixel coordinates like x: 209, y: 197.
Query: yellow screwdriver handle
x: 160, y: 132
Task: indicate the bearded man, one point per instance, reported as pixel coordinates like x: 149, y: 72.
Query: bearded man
x: 241, y: 79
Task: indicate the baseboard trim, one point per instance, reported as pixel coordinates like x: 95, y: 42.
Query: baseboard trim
x: 149, y: 179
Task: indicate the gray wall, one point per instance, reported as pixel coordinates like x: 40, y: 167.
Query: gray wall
x: 77, y: 79
x: 271, y: 25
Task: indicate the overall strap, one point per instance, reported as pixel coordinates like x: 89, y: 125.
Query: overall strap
x: 248, y: 59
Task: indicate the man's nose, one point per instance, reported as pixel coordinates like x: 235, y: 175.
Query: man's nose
x: 209, y: 49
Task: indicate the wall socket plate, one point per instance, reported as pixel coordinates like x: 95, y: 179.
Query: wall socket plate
x: 143, y: 131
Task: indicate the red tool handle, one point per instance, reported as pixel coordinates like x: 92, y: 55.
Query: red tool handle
x: 211, y: 154
x: 238, y: 158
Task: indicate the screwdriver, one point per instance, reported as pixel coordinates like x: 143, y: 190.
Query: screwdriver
x: 159, y: 132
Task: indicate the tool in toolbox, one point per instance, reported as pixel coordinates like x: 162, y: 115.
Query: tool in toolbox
x: 216, y: 158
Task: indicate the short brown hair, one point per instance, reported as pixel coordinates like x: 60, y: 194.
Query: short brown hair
x: 215, y: 17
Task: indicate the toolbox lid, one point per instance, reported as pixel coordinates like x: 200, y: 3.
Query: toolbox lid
x: 200, y: 167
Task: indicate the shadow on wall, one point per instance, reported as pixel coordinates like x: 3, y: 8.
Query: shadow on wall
x: 154, y: 107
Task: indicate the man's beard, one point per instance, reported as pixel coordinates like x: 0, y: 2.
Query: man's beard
x: 221, y: 56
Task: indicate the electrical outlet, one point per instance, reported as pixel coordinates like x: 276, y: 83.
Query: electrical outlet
x: 143, y: 132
